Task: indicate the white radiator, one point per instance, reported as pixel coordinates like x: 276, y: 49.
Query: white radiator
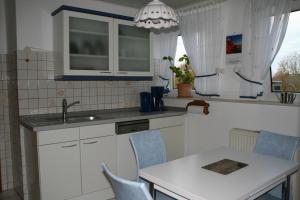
x: 244, y: 140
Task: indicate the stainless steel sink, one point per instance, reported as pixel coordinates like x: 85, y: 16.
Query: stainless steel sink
x: 46, y: 121
x: 54, y: 120
x: 75, y: 119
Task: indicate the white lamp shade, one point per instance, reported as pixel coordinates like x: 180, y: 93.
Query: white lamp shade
x: 156, y: 15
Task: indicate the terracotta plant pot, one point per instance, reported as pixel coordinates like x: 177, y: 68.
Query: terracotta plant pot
x: 184, y: 90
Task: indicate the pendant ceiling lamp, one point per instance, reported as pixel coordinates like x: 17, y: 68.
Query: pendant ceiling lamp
x: 156, y: 15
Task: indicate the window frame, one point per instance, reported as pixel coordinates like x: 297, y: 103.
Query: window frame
x: 271, y: 77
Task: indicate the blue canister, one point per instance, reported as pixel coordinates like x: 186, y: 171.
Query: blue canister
x: 146, y: 101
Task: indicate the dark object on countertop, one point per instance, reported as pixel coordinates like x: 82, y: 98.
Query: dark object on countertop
x: 287, y: 97
x: 199, y: 103
x: 157, y: 94
x: 225, y: 166
x: 146, y: 102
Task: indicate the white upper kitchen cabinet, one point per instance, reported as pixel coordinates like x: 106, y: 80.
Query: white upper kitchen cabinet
x: 93, y: 45
x: 83, y: 44
x: 132, y: 49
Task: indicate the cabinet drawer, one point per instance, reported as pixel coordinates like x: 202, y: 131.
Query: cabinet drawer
x: 56, y: 136
x: 97, y: 131
x: 166, y: 122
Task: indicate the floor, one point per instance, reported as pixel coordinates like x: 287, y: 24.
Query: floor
x: 9, y: 195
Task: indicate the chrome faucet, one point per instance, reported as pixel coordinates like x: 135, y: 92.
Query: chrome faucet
x: 65, y: 107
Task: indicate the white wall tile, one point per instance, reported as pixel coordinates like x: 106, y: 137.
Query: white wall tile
x: 22, y: 74
x: 51, y: 92
x: 43, y: 93
x: 32, y: 74
x: 43, y: 74
x: 38, y: 85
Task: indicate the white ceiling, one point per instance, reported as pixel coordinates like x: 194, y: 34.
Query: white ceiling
x: 139, y: 3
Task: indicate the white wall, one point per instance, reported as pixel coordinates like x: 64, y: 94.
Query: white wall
x: 205, y: 132
x: 7, y: 26
x: 11, y: 34
x: 3, y: 45
x: 34, y: 20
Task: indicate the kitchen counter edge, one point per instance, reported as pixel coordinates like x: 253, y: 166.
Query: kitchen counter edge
x: 172, y: 111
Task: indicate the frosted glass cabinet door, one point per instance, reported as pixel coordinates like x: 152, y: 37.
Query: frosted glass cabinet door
x: 132, y: 49
x: 90, y: 44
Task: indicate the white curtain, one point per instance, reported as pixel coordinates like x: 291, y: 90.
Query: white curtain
x: 202, y: 32
x: 166, y: 44
x: 264, y: 27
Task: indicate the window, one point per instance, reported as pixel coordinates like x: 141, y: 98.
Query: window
x: 180, y: 51
x: 286, y: 66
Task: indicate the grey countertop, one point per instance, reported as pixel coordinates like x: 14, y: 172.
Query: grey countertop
x: 44, y: 122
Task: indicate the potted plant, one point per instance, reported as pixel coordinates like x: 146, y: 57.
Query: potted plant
x: 184, y: 75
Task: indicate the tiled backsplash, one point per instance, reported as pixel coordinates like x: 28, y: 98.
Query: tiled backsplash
x: 40, y: 93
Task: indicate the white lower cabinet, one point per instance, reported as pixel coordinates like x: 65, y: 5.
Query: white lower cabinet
x: 69, y: 160
x: 172, y: 130
x: 174, y: 139
x: 93, y: 152
x: 59, y: 169
x: 72, y: 169
x: 126, y: 159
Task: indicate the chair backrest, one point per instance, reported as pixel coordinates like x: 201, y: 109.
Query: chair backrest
x: 277, y: 145
x: 124, y: 189
x: 149, y: 148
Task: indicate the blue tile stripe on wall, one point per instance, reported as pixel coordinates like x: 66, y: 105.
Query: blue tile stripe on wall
x: 103, y: 78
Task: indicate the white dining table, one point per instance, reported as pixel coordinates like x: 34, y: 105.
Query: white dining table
x: 185, y: 178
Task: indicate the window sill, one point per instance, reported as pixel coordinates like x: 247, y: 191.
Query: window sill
x: 260, y: 102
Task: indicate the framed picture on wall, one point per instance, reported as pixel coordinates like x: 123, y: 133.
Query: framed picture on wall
x: 234, y: 48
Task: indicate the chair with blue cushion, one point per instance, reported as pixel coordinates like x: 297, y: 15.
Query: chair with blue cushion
x: 280, y: 146
x: 150, y: 149
x: 126, y: 190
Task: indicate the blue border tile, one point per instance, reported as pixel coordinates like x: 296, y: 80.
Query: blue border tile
x: 103, y: 78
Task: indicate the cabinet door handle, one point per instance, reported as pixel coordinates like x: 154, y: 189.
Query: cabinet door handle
x: 105, y: 72
x: 122, y: 72
x: 68, y: 146
x: 94, y: 142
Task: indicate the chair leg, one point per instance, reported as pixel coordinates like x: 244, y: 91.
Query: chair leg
x: 286, y: 188
x: 151, y: 189
x: 282, y: 190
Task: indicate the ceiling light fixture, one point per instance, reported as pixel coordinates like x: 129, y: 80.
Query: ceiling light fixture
x: 156, y: 15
